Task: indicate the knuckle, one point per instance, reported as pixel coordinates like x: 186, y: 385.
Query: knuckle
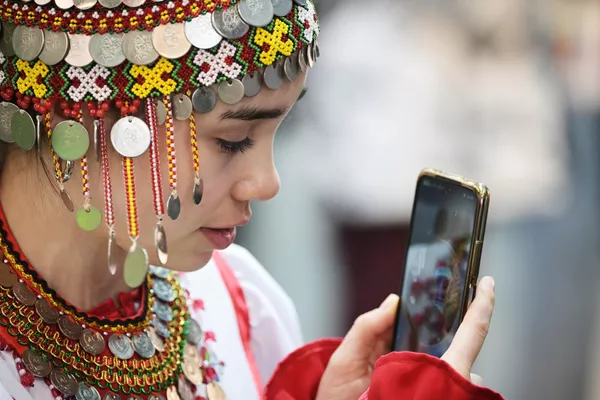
x: 482, y: 328
x: 362, y: 321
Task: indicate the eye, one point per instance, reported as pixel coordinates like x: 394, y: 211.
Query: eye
x: 235, y: 147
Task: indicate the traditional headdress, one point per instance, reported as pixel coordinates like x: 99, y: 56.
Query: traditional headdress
x: 166, y: 58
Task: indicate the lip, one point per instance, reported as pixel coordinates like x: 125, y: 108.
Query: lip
x: 219, y: 238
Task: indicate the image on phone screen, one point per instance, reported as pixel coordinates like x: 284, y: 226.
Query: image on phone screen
x: 435, y: 275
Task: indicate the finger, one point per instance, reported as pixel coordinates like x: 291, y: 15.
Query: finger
x: 472, y: 332
x: 477, y: 379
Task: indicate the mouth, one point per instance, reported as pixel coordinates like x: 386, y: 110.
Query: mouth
x: 221, y: 238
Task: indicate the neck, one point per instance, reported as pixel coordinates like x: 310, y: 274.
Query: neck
x: 71, y: 261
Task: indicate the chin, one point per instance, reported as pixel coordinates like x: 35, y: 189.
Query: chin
x: 184, y: 262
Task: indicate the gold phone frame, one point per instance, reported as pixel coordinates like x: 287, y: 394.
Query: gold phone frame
x: 482, y: 195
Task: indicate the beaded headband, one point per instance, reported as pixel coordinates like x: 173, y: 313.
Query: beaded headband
x: 167, y: 58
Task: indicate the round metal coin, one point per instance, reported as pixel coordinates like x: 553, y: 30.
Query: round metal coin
x: 198, y: 191
x: 42, y: 2
x: 229, y: 24
x: 201, y: 33
x: 138, y: 47
x: 84, y: 4
x: 302, y: 61
x: 56, y: 46
x: 7, y: 110
x: 161, y: 112
x: 184, y: 390
x: 36, y: 363
x: 182, y: 107
x: 23, y: 294
x: 23, y: 129
x: 28, y: 42
x: 48, y: 313
x: 231, y: 92
x: 156, y: 397
x: 110, y: 3
x: 214, y: 392
x: 135, y: 267
x: 70, y: 140
x: 281, y: 8
x: 301, y: 2
x: 64, y: 4
x: 163, y: 290
x: 162, y: 310
x: 192, y: 371
x: 160, y: 242
x: 111, y: 396
x: 170, y: 41
x: 143, y: 345
x: 173, y: 206
x: 172, y: 393
x: 256, y: 12
x: 161, y: 328
x: 252, y: 84
x: 156, y: 340
x: 204, y: 99
x: 160, y: 272
x: 133, y: 3
x: 92, y: 342
x: 85, y: 392
x: 64, y: 382
x: 7, y: 278
x: 6, y: 44
x: 130, y: 136
x: 309, y: 56
x: 120, y: 346
x: 69, y: 328
x: 89, y: 219
x: 195, y: 332
x: 290, y: 68
x: 273, y: 76
x: 79, y: 51
x: 107, y: 49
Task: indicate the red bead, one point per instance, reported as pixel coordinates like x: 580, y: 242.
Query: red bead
x: 119, y: 103
x: 77, y: 106
x: 37, y: 108
x: 133, y: 109
x: 36, y: 100
x: 136, y: 102
x: 93, y: 112
x: 106, y: 106
x: 64, y: 105
x: 27, y: 380
x: 19, y: 95
x: 124, y: 110
x: 100, y: 113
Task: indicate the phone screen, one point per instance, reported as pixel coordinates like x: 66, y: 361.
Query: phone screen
x: 435, y: 275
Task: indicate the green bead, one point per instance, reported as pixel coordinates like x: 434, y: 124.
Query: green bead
x: 88, y: 220
x: 135, y: 268
x: 23, y: 130
x: 70, y: 140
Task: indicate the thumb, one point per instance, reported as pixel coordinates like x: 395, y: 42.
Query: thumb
x: 472, y: 332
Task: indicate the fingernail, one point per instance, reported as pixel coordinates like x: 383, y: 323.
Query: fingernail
x: 388, y: 302
x: 488, y: 283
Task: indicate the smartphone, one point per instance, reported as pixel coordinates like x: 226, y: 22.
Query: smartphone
x: 447, y: 229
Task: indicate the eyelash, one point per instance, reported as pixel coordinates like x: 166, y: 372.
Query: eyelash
x: 235, y: 147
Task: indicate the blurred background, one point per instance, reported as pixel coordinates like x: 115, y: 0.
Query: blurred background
x: 506, y: 92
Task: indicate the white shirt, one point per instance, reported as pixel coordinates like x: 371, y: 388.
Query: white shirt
x: 275, y: 329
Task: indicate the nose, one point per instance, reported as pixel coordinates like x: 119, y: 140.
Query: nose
x: 262, y: 183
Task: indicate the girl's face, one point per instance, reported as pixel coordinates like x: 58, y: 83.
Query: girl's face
x: 236, y: 166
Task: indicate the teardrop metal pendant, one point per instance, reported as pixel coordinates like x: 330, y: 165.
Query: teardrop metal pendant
x: 173, y: 206
x: 198, y: 191
x: 112, y: 248
x: 160, y: 242
x: 66, y: 199
x: 135, y: 267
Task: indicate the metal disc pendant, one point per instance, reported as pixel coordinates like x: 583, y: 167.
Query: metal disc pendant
x: 46, y: 312
x: 201, y: 33
x: 23, y: 294
x: 70, y: 140
x: 36, y: 363
x: 273, y: 76
x: 173, y: 206
x: 161, y: 328
x: 161, y: 113
x: 257, y: 13
x: 192, y: 370
x: 66, y: 199
x: 111, y: 396
x: 89, y: 219
x: 28, y: 42
x: 195, y: 332
x: 6, y: 44
x: 64, y: 382
x: 143, y: 345
x: 69, y: 328
x: 138, y: 47
x: 198, y: 191
x: 7, y: 278
x: 172, y: 393
x: 309, y: 56
x: 214, y: 392
x: 252, y: 84
x: 85, y: 392
x: 290, y: 67
x: 92, y: 342
x: 7, y: 110
x: 130, y: 136
x: 120, y: 346
x: 204, y: 99
x: 23, y: 129
x: 112, y: 248
x: 302, y: 62
x: 159, y: 272
x: 182, y: 107
x: 79, y: 50
x: 107, y: 49
x: 163, y: 290
x: 162, y: 310
x: 160, y: 242
x: 135, y: 267
x: 110, y: 3
x: 170, y: 41
x: 231, y: 92
x: 301, y: 2
x: 156, y: 340
x: 84, y: 4
x: 184, y: 389
x: 156, y: 397
x: 229, y: 24
x: 281, y: 8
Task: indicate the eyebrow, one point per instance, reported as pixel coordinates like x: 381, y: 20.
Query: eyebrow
x: 253, y: 113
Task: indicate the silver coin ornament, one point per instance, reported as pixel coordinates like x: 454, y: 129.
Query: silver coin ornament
x: 162, y: 310
x: 79, y: 51
x: 163, y: 290
x: 23, y: 129
x: 182, y: 107
x: 84, y: 4
x: 143, y: 345
x: 56, y: 47
x: 64, y: 4
x: 173, y: 206
x: 133, y: 3
x: 281, y: 8
x: 160, y: 272
x: 273, y: 76
x: 139, y: 48
x: 28, y: 42
x: 107, y: 49
x: 198, y: 191
x: 301, y: 2
x: 302, y: 61
x: 252, y: 84
x: 231, y: 92
x: 120, y: 346
x: 204, y: 99
x: 201, y: 33
x: 130, y: 136
x: 161, y: 113
x: 86, y: 392
x: 161, y: 328
x: 229, y: 24
x: 309, y: 56
x: 291, y: 69
x: 6, y: 44
x: 195, y: 332
x: 7, y: 110
x: 257, y: 13
x: 110, y: 3
x: 160, y: 242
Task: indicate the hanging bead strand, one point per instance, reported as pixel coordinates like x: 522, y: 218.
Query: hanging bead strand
x: 160, y: 239
x: 174, y: 203
x: 109, y: 213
